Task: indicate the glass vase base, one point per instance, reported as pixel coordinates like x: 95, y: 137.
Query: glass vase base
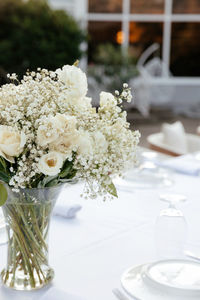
x: 21, y: 282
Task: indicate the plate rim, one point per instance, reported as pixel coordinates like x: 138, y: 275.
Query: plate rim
x: 167, y: 287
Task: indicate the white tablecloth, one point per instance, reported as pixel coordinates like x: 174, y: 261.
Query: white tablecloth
x: 90, y: 253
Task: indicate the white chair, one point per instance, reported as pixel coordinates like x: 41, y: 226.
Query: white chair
x: 147, y: 91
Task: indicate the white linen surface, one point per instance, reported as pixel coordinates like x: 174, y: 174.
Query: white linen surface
x: 186, y: 164
x: 56, y: 294
x: 89, y: 253
x: 48, y: 293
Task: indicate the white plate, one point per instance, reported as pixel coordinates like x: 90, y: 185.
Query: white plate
x: 133, y: 283
x: 157, y: 140
x: 179, y: 277
x: 143, y: 179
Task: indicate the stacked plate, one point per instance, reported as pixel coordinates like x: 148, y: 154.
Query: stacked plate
x: 163, y: 280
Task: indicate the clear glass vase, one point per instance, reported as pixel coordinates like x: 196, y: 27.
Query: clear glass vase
x: 27, y: 214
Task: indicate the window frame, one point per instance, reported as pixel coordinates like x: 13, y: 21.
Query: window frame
x: 167, y: 18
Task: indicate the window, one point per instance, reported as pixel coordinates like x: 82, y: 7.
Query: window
x: 147, y: 6
x: 105, y: 6
x: 186, y: 6
x: 174, y: 24
x: 102, y: 32
x: 143, y: 34
x: 185, y: 49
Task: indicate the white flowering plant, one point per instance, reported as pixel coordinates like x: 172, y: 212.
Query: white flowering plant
x: 50, y: 133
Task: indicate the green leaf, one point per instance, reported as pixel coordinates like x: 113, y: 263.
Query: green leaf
x: 63, y: 180
x: 3, y: 194
x: 69, y: 174
x: 51, y: 183
x: 67, y: 170
x: 4, y: 173
x: 3, y: 164
x: 47, y: 181
x: 40, y: 185
x: 4, y: 177
x: 36, y: 181
x: 112, y: 190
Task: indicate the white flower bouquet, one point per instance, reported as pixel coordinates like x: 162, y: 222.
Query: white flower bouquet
x: 50, y: 134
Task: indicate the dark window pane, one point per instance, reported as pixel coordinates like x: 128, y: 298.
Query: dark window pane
x: 105, y: 6
x: 147, y: 6
x: 142, y: 35
x: 185, y: 49
x: 100, y: 33
x: 186, y: 6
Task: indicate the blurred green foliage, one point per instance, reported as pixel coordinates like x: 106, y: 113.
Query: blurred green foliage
x: 110, y: 54
x: 34, y: 35
x: 111, y: 67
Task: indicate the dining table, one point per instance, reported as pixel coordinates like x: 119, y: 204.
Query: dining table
x: 90, y: 252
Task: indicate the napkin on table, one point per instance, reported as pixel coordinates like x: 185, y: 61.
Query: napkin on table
x: 186, y: 164
x: 174, y: 136
x: 66, y: 209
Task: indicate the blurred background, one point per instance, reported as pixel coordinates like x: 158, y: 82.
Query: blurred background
x: 152, y: 45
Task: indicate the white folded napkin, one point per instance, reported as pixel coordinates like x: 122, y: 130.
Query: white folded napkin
x: 174, y: 136
x: 56, y: 294
x: 186, y: 164
x: 64, y: 208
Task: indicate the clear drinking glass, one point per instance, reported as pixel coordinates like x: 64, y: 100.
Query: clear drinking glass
x: 147, y: 175
x: 171, y: 228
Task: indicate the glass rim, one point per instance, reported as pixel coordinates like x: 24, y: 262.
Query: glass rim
x: 73, y: 180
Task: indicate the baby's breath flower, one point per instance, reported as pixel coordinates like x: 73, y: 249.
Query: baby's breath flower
x: 51, y: 120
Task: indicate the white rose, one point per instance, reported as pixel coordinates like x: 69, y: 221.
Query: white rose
x: 83, y: 103
x: 48, y: 132
x: 51, y: 163
x: 87, y: 101
x: 75, y: 80
x: 67, y: 139
x: 107, y: 100
x: 11, y: 142
x: 54, y: 127
x: 67, y: 123
x: 100, y: 142
x: 85, y: 143
x: 66, y: 144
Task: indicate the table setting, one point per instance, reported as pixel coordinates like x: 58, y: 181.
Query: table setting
x: 108, y: 238
x: 124, y: 221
